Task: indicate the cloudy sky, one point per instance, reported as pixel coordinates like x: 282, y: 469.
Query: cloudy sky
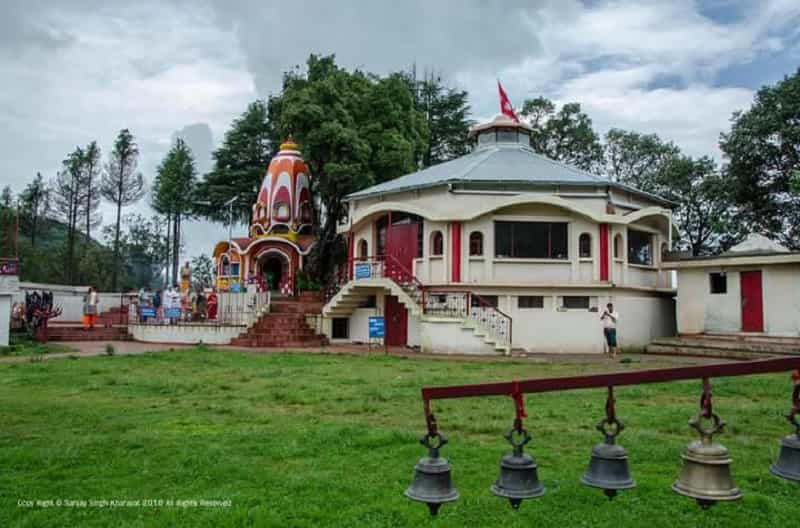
x: 78, y: 70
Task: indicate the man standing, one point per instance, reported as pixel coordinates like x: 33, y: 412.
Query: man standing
x: 609, y: 320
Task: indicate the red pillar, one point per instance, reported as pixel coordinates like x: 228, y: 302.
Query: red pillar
x: 604, y: 252
x: 455, y: 251
x: 350, y: 253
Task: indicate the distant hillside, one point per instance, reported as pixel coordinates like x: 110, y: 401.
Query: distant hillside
x: 46, y: 261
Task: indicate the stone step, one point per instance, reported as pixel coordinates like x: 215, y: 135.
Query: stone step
x: 760, y: 346
x: 746, y: 338
x: 671, y: 350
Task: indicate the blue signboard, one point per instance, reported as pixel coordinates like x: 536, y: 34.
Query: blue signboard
x: 377, y: 327
x: 147, y: 311
x: 363, y: 270
x: 172, y: 313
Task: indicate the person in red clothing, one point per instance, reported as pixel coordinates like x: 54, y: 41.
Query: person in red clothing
x: 211, y: 306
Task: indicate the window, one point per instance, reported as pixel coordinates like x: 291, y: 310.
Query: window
x: 281, y: 212
x: 306, y: 213
x: 506, y: 135
x: 340, y: 328
x: 585, y: 246
x: 486, y: 138
x: 483, y: 300
x: 546, y: 240
x: 363, y: 250
x: 574, y: 302
x: 437, y: 244
x: 476, y: 244
x: 718, y: 282
x: 618, y: 246
x: 530, y: 301
x: 640, y: 248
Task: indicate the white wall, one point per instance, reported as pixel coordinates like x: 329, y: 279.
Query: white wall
x: 69, y: 298
x: 5, y: 318
x: 186, y: 333
x: 448, y: 336
x: 701, y: 311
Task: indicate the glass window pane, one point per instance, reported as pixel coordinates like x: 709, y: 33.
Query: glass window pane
x: 502, y: 239
x: 640, y: 248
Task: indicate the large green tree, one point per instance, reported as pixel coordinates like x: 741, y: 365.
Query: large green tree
x: 446, y: 111
x: 355, y: 130
x: 173, y: 192
x: 763, y: 153
x: 239, y: 166
x: 564, y: 134
x: 122, y: 185
x: 705, y: 217
x: 637, y: 159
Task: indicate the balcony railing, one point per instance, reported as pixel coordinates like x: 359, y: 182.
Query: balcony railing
x: 472, y: 307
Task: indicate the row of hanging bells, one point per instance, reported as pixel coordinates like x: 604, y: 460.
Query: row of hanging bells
x: 705, y: 475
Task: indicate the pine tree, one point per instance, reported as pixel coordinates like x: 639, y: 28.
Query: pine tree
x: 239, y: 165
x: 90, y: 175
x: 121, y: 185
x: 34, y: 203
x: 69, y: 195
x: 173, y: 192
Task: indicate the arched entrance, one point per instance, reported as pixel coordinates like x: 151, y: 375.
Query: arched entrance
x: 274, y: 267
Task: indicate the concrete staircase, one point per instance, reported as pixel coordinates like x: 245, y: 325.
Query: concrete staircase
x: 729, y: 346
x: 470, y: 325
x: 285, y: 325
x: 61, y: 332
x: 111, y: 325
x: 352, y: 294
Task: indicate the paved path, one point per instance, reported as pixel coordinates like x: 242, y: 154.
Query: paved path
x: 98, y: 348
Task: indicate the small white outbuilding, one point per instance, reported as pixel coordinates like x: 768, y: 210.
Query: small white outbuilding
x: 9, y: 284
x: 754, y: 288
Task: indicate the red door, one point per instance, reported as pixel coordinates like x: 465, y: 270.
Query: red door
x: 752, y: 303
x: 402, y: 243
x: 396, y: 322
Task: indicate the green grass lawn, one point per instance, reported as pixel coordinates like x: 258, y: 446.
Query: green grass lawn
x: 22, y: 344
x: 323, y: 440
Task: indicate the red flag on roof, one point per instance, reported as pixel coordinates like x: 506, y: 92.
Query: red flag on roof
x: 505, y: 105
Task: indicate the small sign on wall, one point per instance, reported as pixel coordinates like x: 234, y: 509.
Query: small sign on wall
x: 9, y: 267
x: 377, y: 327
x: 147, y: 311
x: 363, y: 270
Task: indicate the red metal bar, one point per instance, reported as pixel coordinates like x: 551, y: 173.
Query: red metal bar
x: 613, y: 380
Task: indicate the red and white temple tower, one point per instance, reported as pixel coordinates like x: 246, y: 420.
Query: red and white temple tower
x: 281, y: 232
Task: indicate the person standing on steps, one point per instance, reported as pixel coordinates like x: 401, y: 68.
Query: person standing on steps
x: 90, y: 309
x: 609, y: 320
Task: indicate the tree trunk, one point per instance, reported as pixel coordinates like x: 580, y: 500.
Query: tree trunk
x: 176, y: 245
x: 116, y: 243
x: 167, y: 254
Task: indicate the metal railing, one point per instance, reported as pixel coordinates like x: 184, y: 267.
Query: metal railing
x: 472, y: 307
x: 232, y: 309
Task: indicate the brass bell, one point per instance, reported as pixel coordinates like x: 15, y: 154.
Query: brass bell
x: 432, y: 484
x: 788, y: 464
x: 706, y: 472
x: 608, y: 467
x: 518, y: 479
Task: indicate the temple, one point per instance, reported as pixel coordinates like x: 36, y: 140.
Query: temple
x: 281, y: 231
